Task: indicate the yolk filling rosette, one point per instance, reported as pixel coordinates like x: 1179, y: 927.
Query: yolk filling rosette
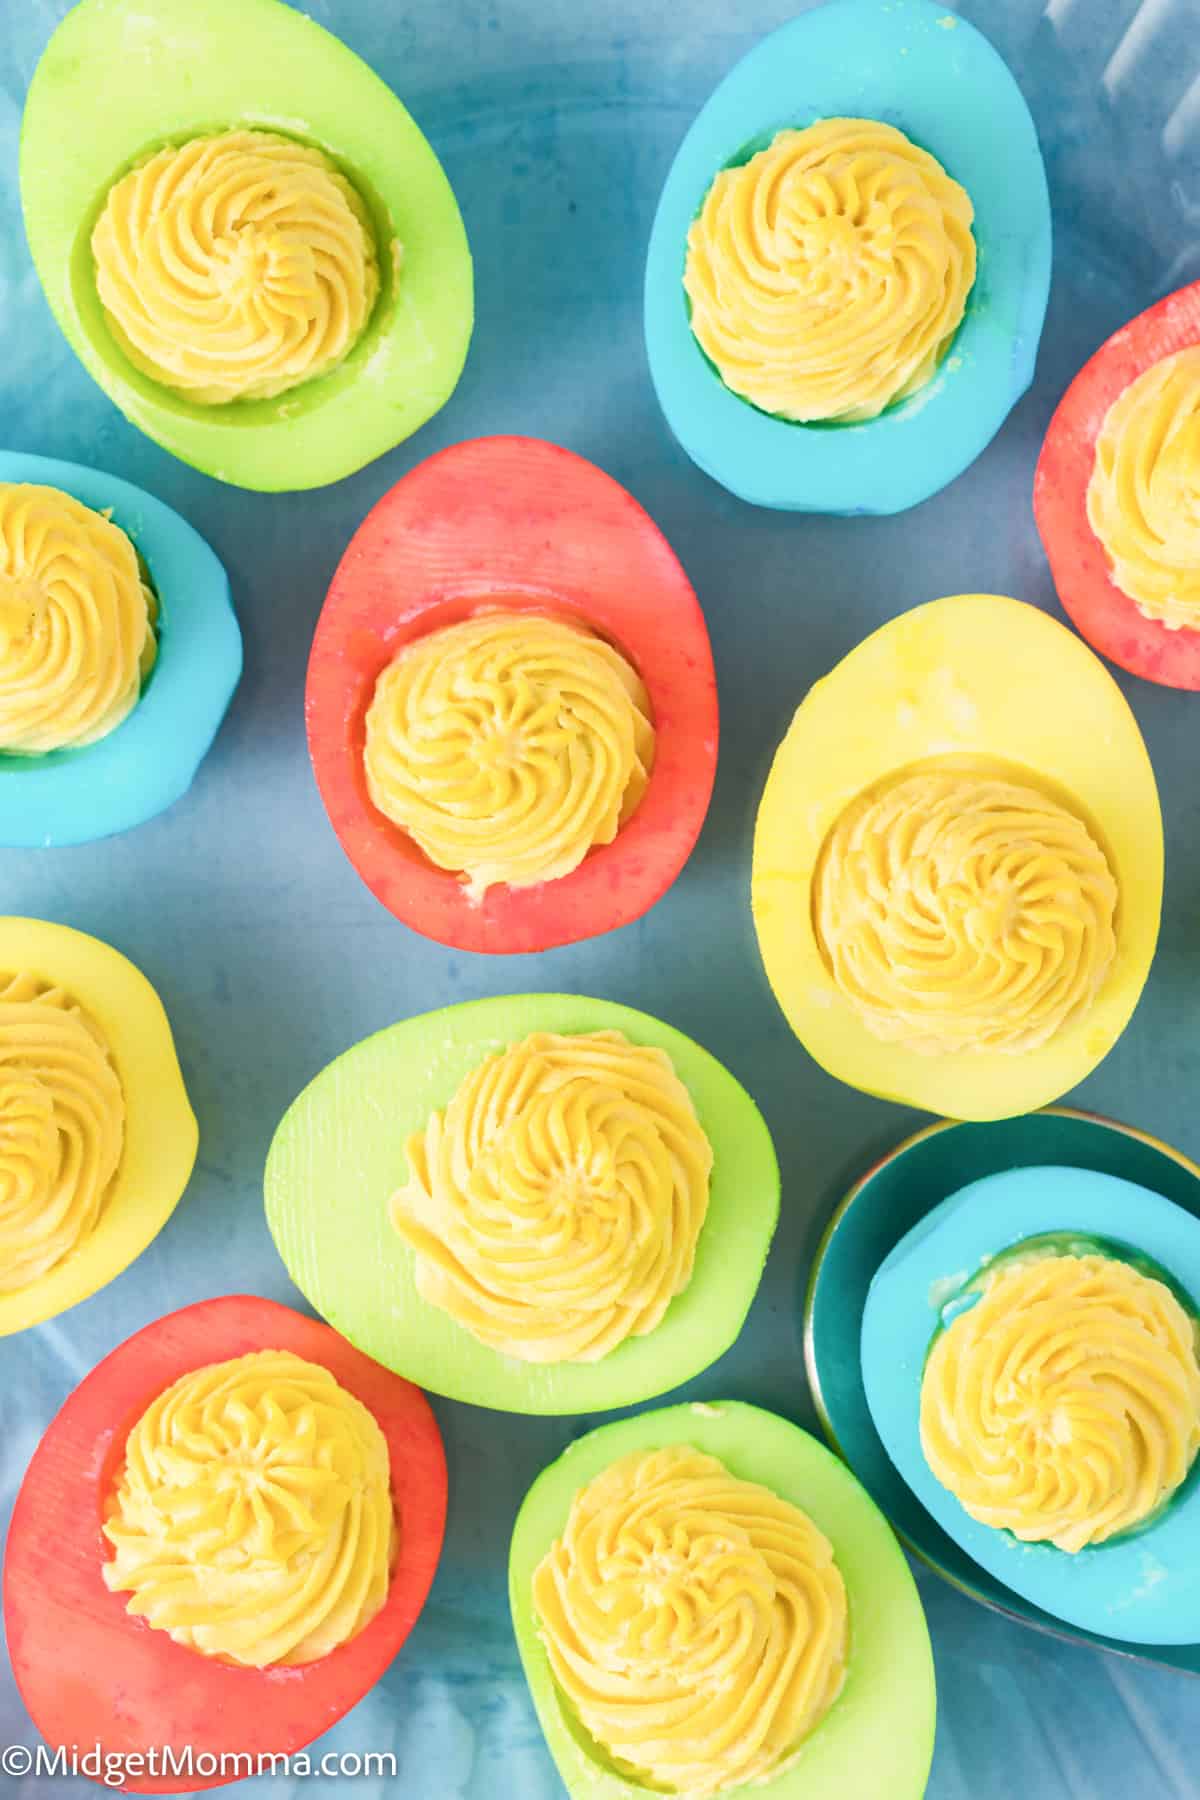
x: 62, y: 1123
x: 827, y: 275
x: 252, y: 1518
x: 236, y: 266
x: 1143, y: 499
x: 695, y: 1623
x: 76, y: 622
x: 555, y: 1205
x: 508, y: 746
x: 964, y: 912
x: 1064, y: 1406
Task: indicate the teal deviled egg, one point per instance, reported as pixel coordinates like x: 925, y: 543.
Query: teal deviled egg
x: 849, y: 267
x: 119, y: 653
x: 1030, y: 1360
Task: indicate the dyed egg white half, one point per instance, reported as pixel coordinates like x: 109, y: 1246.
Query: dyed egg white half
x: 913, y: 65
x: 1144, y: 1587
x: 149, y: 761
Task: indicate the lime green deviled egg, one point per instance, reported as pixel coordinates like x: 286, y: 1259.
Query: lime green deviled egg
x: 539, y: 1203
x: 244, y: 236
x: 707, y: 1603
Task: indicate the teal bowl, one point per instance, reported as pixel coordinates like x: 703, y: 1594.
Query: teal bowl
x: 881, y: 1207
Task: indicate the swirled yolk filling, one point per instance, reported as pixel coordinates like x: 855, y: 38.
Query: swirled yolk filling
x: 695, y: 1623
x: 1143, y: 498
x: 252, y: 1518
x: 827, y: 275
x: 236, y: 266
x: 1065, y: 1405
x: 960, y: 912
x: 62, y: 1127
x: 555, y: 1205
x: 76, y: 622
x: 508, y: 746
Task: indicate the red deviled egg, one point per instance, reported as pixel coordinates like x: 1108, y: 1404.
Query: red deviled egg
x: 1117, y: 494
x: 512, y: 710
x: 238, y: 1439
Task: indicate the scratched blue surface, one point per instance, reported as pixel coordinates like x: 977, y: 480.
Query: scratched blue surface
x: 556, y: 123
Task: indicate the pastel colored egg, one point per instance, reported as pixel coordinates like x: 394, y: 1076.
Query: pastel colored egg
x: 520, y: 522
x: 150, y: 760
x: 131, y: 1689
x: 930, y: 73
x: 1106, y: 616
x: 877, y: 1737
x: 133, y: 75
x: 338, y: 1156
x: 160, y: 1137
x: 979, y: 682
x: 1142, y: 1587
x: 890, y: 1199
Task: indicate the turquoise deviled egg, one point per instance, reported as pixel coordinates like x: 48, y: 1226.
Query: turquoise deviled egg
x: 53, y: 602
x: 1064, y: 1413
x: 922, y: 186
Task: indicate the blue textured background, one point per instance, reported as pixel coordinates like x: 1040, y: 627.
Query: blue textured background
x: 556, y: 122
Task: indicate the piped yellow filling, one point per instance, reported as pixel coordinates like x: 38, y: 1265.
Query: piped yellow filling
x: 252, y: 1518
x: 829, y: 273
x: 1143, y: 498
x: 236, y: 266
x: 556, y: 1203
x: 76, y: 622
x: 508, y: 746
x: 695, y: 1623
x: 62, y: 1127
x: 963, y: 912
x: 1065, y: 1405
